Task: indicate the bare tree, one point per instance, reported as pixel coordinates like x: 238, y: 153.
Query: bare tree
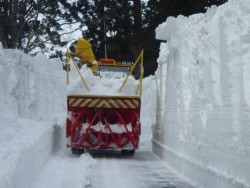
x: 35, y: 25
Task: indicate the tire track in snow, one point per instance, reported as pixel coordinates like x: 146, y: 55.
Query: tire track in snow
x: 109, y: 174
x: 144, y: 170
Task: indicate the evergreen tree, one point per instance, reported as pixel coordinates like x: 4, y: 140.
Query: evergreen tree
x: 174, y: 8
x: 111, y: 24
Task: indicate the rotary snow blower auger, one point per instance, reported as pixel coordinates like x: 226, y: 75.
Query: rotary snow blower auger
x: 109, y: 122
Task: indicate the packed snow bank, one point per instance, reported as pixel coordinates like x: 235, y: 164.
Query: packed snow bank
x: 32, y: 101
x: 148, y: 111
x: 65, y: 170
x: 203, y: 78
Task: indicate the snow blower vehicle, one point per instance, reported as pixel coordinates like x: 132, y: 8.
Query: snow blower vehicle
x: 102, y: 121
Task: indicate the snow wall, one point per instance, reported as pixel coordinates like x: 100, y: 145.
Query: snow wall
x: 203, y: 115
x: 32, y: 104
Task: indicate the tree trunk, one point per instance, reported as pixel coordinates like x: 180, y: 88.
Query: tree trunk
x: 137, y: 17
x: 138, y: 35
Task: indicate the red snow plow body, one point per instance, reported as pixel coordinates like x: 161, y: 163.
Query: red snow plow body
x: 103, y: 122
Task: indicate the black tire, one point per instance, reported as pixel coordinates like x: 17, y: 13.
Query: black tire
x: 128, y: 152
x: 76, y: 151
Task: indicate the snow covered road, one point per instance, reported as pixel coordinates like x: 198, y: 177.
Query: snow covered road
x: 106, y: 170
x: 63, y: 171
x: 142, y: 170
